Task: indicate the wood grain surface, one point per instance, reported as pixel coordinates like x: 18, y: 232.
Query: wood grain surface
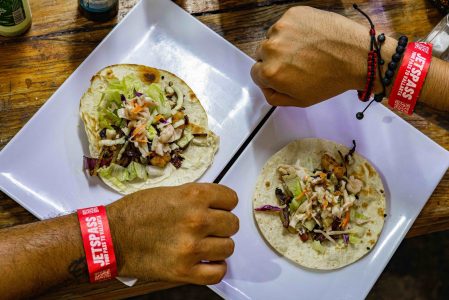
x: 34, y: 65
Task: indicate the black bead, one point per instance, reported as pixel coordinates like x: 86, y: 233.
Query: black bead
x: 400, y: 49
x: 379, y: 97
x: 403, y: 38
x: 402, y: 43
x: 381, y: 62
x: 386, y: 81
x: 396, y: 57
x: 381, y: 38
x: 392, y: 65
x: 359, y: 115
x: 389, y: 74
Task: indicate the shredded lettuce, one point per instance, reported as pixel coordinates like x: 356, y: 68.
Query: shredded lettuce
x: 151, y: 132
x: 352, y: 214
x: 358, y: 231
x: 293, y: 184
x: 114, y: 171
x: 155, y: 92
x: 130, y: 84
x: 137, y: 170
x: 316, y: 245
x: 127, y: 86
x: 353, y: 239
x: 186, y: 138
x: 309, y: 224
x: 111, y: 99
x: 361, y: 216
x: 121, y: 174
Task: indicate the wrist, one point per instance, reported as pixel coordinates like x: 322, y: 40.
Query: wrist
x: 387, y: 51
x: 116, y: 234
x: 359, y: 72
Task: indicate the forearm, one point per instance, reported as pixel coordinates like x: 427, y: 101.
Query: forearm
x: 435, y: 92
x: 36, y: 256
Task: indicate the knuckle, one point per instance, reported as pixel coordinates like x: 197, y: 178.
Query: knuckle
x: 271, y: 101
x: 271, y: 45
x: 181, y: 272
x: 194, y: 191
x: 218, y: 276
x: 198, y: 221
x: 269, y: 72
x: 279, y: 26
x: 190, y: 248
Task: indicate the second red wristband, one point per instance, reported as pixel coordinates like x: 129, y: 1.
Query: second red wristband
x: 410, y: 78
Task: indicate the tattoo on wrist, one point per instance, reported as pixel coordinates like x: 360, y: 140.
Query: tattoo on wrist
x: 78, y: 269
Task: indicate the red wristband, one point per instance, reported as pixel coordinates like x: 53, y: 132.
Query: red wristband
x: 411, y: 76
x: 97, y: 242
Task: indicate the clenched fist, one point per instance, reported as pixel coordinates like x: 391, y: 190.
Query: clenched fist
x: 179, y: 234
x: 312, y: 55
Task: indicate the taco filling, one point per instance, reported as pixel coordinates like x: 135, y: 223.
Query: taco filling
x: 142, y: 130
x: 320, y: 205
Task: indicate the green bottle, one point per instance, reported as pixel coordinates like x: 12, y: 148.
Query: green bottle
x: 15, y: 17
x: 98, y: 10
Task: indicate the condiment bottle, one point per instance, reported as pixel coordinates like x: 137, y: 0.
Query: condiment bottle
x: 15, y: 17
x: 98, y: 10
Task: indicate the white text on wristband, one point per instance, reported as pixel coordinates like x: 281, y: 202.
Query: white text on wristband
x: 97, y: 243
x: 411, y: 76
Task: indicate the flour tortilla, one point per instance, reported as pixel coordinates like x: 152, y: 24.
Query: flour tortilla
x: 199, y: 154
x: 372, y: 203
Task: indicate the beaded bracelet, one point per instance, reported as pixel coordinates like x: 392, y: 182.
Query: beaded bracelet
x: 395, y: 59
x: 372, y: 61
x: 378, y: 61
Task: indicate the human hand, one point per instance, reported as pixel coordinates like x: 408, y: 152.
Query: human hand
x: 312, y: 55
x: 179, y: 234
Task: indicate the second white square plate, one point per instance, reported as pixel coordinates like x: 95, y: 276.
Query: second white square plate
x: 410, y: 165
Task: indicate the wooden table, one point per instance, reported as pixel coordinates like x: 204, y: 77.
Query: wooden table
x: 33, y: 66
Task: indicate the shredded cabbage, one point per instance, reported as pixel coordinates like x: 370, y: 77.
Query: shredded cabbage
x: 358, y: 231
x: 118, y: 173
x: 138, y: 170
x: 316, y: 245
x: 151, y: 132
x: 353, y: 239
x: 129, y: 84
x: 111, y: 99
x: 155, y: 92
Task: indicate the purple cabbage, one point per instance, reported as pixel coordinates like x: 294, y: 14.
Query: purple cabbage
x: 123, y: 98
x: 137, y: 94
x: 319, y: 237
x: 268, y: 208
x: 346, y: 238
x: 89, y: 163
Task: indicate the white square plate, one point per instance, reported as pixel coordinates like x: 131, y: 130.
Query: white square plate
x: 410, y: 164
x: 41, y: 168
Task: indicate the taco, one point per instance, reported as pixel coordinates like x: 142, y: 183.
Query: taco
x: 145, y: 128
x: 320, y: 204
